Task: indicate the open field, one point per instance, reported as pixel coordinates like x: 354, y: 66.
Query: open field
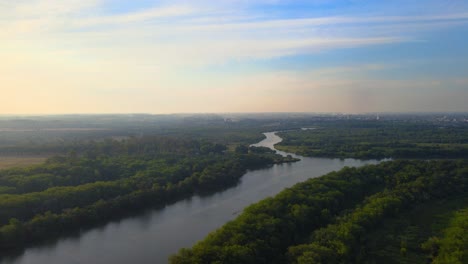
x: 20, y: 161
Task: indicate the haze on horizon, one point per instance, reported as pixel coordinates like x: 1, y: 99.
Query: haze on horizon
x: 115, y: 56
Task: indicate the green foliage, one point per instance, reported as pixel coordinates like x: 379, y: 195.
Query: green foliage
x: 379, y: 139
x: 453, y: 246
x: 112, y: 179
x: 324, y: 220
x: 242, y: 149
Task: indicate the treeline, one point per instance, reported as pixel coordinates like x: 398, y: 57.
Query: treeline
x: 323, y: 220
x: 379, y: 139
x: 113, y: 179
x: 112, y: 160
x: 42, y: 137
x: 147, y: 145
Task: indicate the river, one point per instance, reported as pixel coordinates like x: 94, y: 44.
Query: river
x: 153, y: 236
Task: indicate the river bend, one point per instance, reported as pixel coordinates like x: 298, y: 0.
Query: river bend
x: 153, y: 236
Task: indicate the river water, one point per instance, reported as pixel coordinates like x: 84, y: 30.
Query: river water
x: 154, y: 236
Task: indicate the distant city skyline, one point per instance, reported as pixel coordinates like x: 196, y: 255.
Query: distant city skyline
x: 354, y: 56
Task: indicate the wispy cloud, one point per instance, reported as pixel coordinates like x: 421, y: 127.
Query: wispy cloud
x: 70, y: 49
x: 191, y: 33
x: 140, y: 16
x: 187, y: 23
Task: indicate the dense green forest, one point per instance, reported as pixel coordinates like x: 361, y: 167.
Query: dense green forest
x: 335, y: 218
x: 50, y: 135
x: 379, y: 139
x: 113, y: 178
x: 107, y: 167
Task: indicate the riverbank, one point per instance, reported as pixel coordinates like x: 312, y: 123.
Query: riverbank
x: 338, y: 219
x: 180, y: 224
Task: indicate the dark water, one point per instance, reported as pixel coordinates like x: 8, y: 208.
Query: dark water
x: 154, y: 236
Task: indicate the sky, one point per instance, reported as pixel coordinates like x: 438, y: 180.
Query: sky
x: 200, y: 56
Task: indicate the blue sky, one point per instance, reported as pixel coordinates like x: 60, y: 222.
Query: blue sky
x: 107, y: 56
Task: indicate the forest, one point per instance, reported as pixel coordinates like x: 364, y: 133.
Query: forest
x: 411, y: 209
x: 113, y: 178
x: 379, y: 139
x: 334, y: 218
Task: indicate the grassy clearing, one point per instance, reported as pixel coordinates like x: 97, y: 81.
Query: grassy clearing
x: 20, y: 161
x: 292, y: 149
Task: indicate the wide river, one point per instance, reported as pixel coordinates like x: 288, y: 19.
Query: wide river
x: 154, y: 236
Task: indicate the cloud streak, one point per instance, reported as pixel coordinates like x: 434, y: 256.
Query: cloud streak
x: 185, y: 24
x: 140, y: 16
x: 73, y: 49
